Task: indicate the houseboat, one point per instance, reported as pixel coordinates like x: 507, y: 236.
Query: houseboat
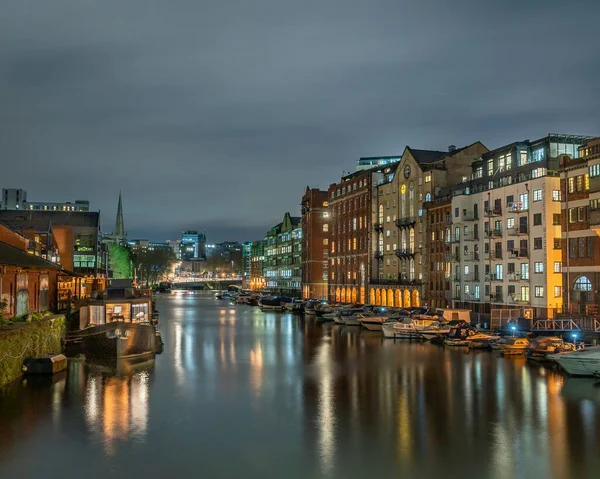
x: 121, y: 325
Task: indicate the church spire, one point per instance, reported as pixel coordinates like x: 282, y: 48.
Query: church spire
x: 119, y: 226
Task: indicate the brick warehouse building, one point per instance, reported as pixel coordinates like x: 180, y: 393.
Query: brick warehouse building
x: 315, y: 243
x: 580, y: 217
x: 350, y: 210
x: 438, y: 221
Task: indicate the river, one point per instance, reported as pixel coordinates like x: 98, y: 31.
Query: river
x: 241, y: 393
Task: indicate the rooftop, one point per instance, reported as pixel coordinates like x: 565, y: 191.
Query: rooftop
x: 9, y: 255
x: 43, y: 220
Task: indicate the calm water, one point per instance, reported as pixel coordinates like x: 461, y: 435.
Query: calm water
x: 240, y: 393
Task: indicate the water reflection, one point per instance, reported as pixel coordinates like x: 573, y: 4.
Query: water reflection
x: 117, y: 400
x: 292, y: 398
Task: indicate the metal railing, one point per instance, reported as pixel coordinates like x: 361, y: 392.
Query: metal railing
x: 405, y: 222
x: 555, y: 325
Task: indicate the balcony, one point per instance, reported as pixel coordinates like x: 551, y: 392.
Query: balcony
x: 491, y: 212
x: 523, y: 253
x: 378, y: 254
x: 515, y: 277
x: 518, y: 230
x: 453, y: 239
x: 456, y: 278
x: 495, y: 298
x: 378, y: 227
x: 469, y: 216
x: 490, y: 277
x: 472, y: 256
x: 470, y: 277
x: 516, y: 299
x: 495, y: 233
x: 451, y: 256
x: 471, y: 297
x: 404, y: 252
x: 470, y: 237
x: 517, y: 208
x: 456, y: 296
x: 495, y: 254
x: 405, y: 222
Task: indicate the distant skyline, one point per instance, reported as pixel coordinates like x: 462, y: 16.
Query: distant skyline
x: 216, y: 115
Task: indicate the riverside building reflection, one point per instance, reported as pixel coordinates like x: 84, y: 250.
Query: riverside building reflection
x: 298, y: 399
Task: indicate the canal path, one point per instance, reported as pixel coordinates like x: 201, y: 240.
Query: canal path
x: 241, y: 393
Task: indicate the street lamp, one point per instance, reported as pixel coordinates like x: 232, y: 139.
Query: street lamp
x: 514, y: 328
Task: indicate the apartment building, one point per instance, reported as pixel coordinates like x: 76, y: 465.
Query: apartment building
x: 315, y: 243
x: 580, y: 194
x: 257, y: 265
x: 283, y: 257
x: 400, y: 270
x: 505, y: 241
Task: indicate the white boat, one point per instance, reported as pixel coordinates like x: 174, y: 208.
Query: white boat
x: 470, y: 336
x: 434, y: 330
x: 372, y: 323
x: 405, y: 329
x: 583, y: 362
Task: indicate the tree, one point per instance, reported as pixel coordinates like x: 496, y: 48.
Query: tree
x: 152, y: 265
x: 119, y: 261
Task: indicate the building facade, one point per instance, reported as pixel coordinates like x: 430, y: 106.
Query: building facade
x: 505, y: 243
x: 16, y: 199
x: 257, y: 266
x: 283, y: 257
x: 28, y: 283
x: 401, y: 266
x: 192, y: 246
x: 437, y: 287
x: 580, y: 213
x: 350, y: 210
x: 315, y: 243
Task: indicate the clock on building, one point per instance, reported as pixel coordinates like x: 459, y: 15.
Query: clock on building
x: 406, y: 171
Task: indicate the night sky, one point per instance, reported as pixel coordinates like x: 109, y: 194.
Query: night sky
x: 215, y: 115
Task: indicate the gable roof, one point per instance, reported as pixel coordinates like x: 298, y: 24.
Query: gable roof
x: 9, y: 255
x: 427, y: 156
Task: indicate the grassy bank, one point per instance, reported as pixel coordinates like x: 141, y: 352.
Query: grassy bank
x: 26, y: 340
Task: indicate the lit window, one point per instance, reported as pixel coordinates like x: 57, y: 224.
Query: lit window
x: 537, y: 195
x: 557, y: 267
x: 555, y: 195
x: 428, y: 178
x: 557, y: 292
x: 325, y: 228
x: 539, y: 291
x: 538, y: 267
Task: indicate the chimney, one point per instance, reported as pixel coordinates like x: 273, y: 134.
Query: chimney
x: 451, y: 148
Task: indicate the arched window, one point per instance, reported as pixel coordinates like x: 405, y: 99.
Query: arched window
x: 411, y: 270
x: 582, y: 284
x: 412, y: 239
x: 403, y: 239
x: 411, y: 199
x: 403, y: 201
x: 381, y: 214
x: 428, y: 197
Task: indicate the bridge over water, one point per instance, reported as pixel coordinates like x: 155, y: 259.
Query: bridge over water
x: 207, y: 284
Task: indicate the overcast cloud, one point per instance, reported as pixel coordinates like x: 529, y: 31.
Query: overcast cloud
x: 215, y: 115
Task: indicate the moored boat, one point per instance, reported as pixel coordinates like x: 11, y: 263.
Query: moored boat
x: 583, y: 362
x: 539, y: 348
x: 119, y: 326
x: 273, y: 303
x: 513, y: 346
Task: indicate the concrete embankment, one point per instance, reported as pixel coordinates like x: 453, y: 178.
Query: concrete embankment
x: 28, y: 340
